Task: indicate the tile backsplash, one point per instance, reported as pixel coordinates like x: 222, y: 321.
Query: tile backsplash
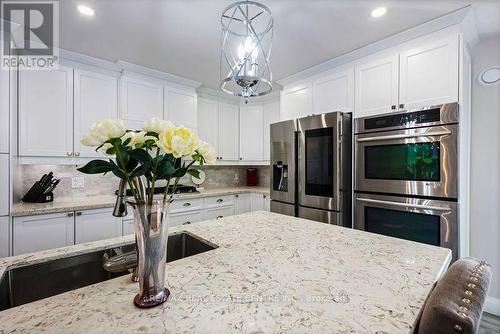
x: 26, y: 175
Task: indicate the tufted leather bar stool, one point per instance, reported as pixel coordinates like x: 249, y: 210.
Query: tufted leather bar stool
x: 456, y: 304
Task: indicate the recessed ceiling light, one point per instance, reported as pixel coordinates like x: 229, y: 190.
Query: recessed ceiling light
x: 379, y: 11
x: 85, y: 10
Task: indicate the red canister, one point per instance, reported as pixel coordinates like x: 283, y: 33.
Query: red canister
x: 252, y: 178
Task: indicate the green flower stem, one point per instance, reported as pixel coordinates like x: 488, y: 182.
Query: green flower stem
x: 119, y: 159
x: 155, y: 169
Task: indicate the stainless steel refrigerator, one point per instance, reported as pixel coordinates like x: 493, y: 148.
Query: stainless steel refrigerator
x: 311, y: 168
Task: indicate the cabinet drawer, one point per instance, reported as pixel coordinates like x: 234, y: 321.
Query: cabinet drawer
x: 185, y: 218
x: 180, y: 205
x: 217, y: 213
x: 37, y: 233
x: 128, y: 226
x: 99, y: 224
x: 217, y: 201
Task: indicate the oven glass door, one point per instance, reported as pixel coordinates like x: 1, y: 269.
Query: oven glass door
x: 422, y: 162
x: 405, y: 225
x: 432, y: 222
x: 413, y: 161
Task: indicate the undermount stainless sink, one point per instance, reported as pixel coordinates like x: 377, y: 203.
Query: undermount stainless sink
x: 34, y: 282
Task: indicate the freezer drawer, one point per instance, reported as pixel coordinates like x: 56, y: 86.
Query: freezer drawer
x: 322, y: 216
x: 283, y: 208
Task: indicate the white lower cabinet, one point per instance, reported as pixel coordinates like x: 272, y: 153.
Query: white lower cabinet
x: 41, y: 232
x: 185, y: 218
x: 241, y: 203
x: 267, y: 203
x: 259, y: 202
x: 4, y: 182
x: 4, y: 236
x: 256, y: 202
x: 128, y: 226
x: 219, y: 212
x: 93, y: 225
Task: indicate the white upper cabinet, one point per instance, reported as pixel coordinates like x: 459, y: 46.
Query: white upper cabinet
x: 46, y: 112
x: 376, y: 85
x: 141, y: 100
x: 96, y: 98
x: 93, y: 225
x: 334, y: 92
x: 251, y: 133
x: 4, y: 111
x: 208, y: 122
x: 4, y: 182
x: 429, y: 74
x: 271, y: 115
x: 181, y: 107
x: 228, y: 132
x: 296, y: 101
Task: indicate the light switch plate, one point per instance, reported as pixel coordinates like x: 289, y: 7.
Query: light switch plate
x: 77, y: 182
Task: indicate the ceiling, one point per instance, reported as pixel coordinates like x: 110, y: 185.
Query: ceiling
x: 182, y: 37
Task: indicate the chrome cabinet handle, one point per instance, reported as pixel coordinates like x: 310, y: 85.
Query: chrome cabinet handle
x: 401, y: 105
x: 404, y: 205
x: 236, y: 196
x: 186, y: 223
x: 220, y: 200
x: 78, y: 213
x: 70, y: 214
x: 69, y: 154
x: 219, y: 217
x: 241, y: 158
x: 406, y: 135
x: 186, y: 204
x: 77, y: 154
x: 393, y: 107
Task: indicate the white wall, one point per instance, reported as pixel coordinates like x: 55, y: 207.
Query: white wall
x: 485, y: 167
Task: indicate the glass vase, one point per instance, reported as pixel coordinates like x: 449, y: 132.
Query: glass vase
x: 151, y: 231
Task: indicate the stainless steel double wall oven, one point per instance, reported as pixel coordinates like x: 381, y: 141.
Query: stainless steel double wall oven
x: 406, y: 175
x: 311, y: 168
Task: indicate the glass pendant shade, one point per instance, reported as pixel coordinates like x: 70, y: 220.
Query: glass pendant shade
x: 246, y: 40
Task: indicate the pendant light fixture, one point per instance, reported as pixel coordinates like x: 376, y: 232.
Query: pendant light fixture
x: 246, y: 40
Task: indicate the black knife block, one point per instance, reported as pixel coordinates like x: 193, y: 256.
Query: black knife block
x: 36, y: 195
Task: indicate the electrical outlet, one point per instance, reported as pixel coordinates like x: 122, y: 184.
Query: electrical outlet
x: 77, y: 182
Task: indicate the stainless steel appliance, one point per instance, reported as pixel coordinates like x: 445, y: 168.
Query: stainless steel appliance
x: 311, y: 168
x: 406, y: 175
x: 428, y: 221
x: 409, y: 153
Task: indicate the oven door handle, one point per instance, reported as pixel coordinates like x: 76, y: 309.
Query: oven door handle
x: 406, y: 135
x: 404, y: 205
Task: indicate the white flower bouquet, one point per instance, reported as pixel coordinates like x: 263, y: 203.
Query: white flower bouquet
x: 155, y: 152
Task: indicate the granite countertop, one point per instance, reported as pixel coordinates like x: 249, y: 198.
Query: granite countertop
x: 271, y: 273
x: 107, y: 201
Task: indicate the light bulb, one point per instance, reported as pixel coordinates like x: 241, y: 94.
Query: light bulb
x: 255, y: 53
x: 241, y: 52
x: 248, y: 44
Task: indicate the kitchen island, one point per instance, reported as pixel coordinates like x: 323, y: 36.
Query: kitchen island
x: 270, y: 273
